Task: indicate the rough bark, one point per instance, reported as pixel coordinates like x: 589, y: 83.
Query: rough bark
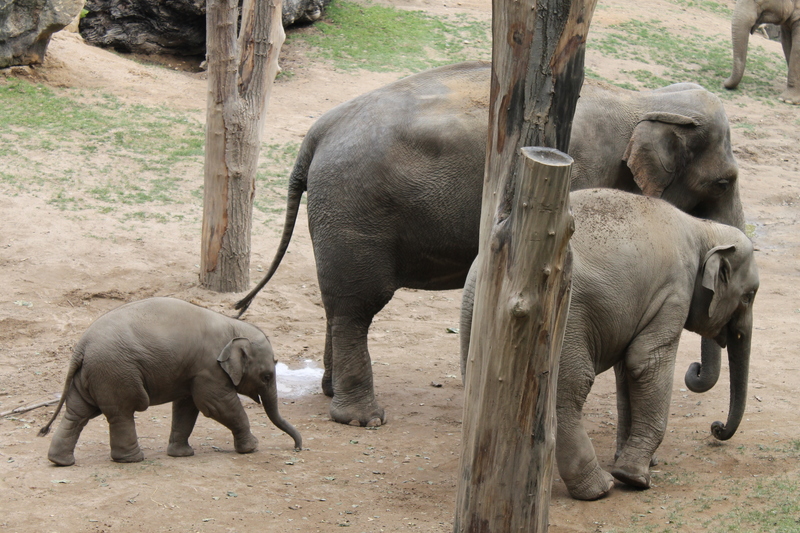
x: 522, y: 290
x: 240, y: 76
x: 174, y: 27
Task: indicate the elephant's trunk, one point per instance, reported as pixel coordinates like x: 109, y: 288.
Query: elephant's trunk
x: 739, y: 334
x: 700, y: 377
x: 745, y: 18
x: 269, y: 399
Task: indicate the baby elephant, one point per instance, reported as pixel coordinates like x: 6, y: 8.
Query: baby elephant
x: 642, y: 272
x: 166, y: 350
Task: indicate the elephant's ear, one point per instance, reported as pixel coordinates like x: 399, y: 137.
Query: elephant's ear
x: 655, y: 151
x: 233, y: 357
x: 716, y: 273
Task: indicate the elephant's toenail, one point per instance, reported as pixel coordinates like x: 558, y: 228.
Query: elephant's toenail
x: 374, y: 423
x: 355, y: 423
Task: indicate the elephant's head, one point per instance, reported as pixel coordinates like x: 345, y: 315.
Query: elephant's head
x: 251, y: 367
x: 682, y: 154
x: 722, y: 309
x: 747, y: 16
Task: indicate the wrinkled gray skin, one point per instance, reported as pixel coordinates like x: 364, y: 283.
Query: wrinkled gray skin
x: 642, y: 271
x: 394, y: 181
x: 166, y: 350
x: 747, y: 17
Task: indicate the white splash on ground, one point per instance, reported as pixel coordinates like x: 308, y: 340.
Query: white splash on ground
x: 293, y: 383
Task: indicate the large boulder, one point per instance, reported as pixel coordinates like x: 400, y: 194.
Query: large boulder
x: 26, y: 27
x: 174, y: 27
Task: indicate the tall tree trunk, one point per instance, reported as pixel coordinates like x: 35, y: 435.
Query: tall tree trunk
x: 524, y: 272
x: 240, y: 75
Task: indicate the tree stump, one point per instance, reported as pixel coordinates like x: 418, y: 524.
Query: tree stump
x: 521, y: 302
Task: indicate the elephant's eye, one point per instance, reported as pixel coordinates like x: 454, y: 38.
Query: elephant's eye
x: 722, y: 184
x: 266, y: 378
x: 747, y: 299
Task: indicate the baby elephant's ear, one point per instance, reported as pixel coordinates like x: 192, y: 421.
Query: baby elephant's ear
x: 232, y: 358
x: 717, y: 273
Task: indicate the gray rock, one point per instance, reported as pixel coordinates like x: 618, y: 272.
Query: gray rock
x: 26, y: 27
x: 170, y: 27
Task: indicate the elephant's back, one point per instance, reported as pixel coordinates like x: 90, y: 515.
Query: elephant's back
x: 609, y: 219
x: 436, y: 102
x: 140, y: 341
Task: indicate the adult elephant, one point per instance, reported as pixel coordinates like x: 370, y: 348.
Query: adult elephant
x: 747, y: 16
x: 635, y: 287
x: 394, y: 180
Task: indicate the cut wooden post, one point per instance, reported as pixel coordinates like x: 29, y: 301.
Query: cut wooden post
x: 240, y: 75
x: 521, y: 302
x: 524, y: 267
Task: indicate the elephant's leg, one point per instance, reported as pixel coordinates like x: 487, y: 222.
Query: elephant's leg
x: 791, y: 49
x: 786, y: 42
x: 353, y: 295
x: 224, y: 406
x: 77, y: 415
x: 624, y: 411
x: 577, y: 462
x: 122, y: 434
x: 184, y: 416
x: 623, y: 408
x: 650, y: 364
x: 353, y: 392
x: 327, y: 360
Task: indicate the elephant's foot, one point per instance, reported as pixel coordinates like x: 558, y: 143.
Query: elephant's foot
x: 635, y: 476
x: 179, y: 450
x: 135, y: 457
x: 327, y: 385
x: 653, y: 460
x: 247, y: 444
x: 61, y: 459
x: 369, y: 415
x: 730, y: 83
x: 790, y: 96
x: 591, y: 486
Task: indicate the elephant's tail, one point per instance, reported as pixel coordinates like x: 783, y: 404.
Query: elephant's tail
x: 75, y: 364
x: 297, y: 186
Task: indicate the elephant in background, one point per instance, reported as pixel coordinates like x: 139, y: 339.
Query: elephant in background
x: 747, y: 16
x: 395, y: 176
x: 642, y: 271
x: 163, y: 350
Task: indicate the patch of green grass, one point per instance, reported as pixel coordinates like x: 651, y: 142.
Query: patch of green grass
x: 771, y: 505
x: 101, y: 151
x: 272, y: 177
x: 692, y: 56
x: 706, y: 5
x: 383, y: 38
x: 144, y: 216
x: 746, y: 126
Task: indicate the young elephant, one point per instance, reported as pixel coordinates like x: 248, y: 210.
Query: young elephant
x: 166, y: 350
x: 642, y: 272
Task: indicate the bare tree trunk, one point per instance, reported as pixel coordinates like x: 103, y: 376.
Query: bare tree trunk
x: 524, y: 267
x: 240, y: 75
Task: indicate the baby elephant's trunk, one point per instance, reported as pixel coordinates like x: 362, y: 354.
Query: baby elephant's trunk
x: 269, y: 399
x: 739, y: 335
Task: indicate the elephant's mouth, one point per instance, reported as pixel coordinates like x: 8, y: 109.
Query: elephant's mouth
x: 722, y: 338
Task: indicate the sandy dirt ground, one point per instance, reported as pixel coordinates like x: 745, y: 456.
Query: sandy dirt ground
x: 57, y: 276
